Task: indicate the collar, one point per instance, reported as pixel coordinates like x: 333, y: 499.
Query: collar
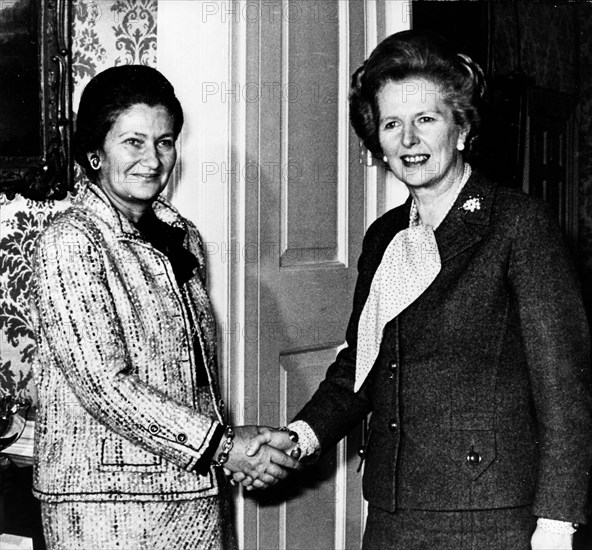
x: 468, y: 219
x: 93, y: 199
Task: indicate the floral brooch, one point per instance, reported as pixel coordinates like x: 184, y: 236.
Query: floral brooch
x: 472, y: 204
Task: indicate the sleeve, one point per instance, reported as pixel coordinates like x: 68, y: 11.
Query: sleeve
x: 78, y: 321
x: 556, y: 340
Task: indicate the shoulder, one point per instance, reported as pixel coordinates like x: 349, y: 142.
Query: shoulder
x: 72, y: 238
x: 380, y: 233
x: 512, y: 208
x: 516, y: 203
x: 528, y: 225
x: 523, y: 213
x: 388, y: 225
x: 69, y: 226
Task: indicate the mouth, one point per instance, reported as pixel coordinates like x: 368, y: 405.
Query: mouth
x: 414, y: 160
x: 147, y: 176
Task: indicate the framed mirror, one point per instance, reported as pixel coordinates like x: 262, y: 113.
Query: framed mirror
x: 35, y: 98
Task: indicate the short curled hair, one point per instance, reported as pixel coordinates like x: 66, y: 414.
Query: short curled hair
x: 109, y: 94
x: 415, y: 54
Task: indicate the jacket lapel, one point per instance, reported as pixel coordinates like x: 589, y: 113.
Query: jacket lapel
x: 468, y: 219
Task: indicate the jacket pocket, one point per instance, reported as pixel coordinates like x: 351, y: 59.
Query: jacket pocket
x: 119, y: 454
x: 474, y: 451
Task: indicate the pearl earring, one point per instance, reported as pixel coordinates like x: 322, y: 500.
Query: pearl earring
x: 385, y: 159
x: 460, y: 146
x: 95, y: 162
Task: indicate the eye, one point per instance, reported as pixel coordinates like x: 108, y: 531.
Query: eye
x: 166, y: 144
x: 134, y: 142
x: 391, y: 125
x: 426, y: 119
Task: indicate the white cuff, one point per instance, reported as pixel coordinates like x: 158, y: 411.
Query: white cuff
x: 307, y: 439
x: 556, y: 526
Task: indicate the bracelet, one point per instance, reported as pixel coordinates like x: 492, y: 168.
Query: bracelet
x: 226, y: 447
x: 557, y: 526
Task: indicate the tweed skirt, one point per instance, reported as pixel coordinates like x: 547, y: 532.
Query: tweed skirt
x: 503, y: 529
x: 200, y: 524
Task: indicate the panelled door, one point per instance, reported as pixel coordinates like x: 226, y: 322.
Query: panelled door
x: 302, y: 232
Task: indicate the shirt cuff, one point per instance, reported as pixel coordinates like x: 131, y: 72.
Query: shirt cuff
x: 307, y: 439
x: 202, y: 466
x: 556, y: 526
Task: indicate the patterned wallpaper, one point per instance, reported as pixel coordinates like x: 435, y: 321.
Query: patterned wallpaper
x: 105, y: 33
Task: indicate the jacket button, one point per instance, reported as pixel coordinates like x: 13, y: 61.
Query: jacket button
x: 361, y: 452
x: 181, y: 438
x: 392, y: 369
x: 473, y: 457
x: 154, y: 428
x: 393, y: 426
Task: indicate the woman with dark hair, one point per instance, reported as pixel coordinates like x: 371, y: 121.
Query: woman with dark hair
x: 468, y: 341
x: 130, y: 433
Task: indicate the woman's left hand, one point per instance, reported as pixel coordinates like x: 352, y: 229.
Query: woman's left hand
x: 545, y: 540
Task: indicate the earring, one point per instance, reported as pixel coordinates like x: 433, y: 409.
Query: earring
x: 95, y: 162
x: 385, y: 159
x: 460, y: 146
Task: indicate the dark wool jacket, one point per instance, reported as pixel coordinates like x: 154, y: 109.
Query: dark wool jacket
x: 480, y: 395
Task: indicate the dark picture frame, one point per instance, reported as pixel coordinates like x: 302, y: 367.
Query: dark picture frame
x: 35, y: 98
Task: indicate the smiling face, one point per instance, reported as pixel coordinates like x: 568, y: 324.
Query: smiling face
x: 418, y: 134
x: 137, y: 158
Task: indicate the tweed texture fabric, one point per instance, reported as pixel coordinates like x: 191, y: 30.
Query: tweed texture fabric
x: 503, y: 529
x: 186, y: 525
x: 481, y: 393
x: 121, y: 417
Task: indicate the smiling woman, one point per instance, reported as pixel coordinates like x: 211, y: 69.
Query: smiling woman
x: 421, y: 141
x: 467, y: 341
x: 137, y: 158
x: 130, y: 431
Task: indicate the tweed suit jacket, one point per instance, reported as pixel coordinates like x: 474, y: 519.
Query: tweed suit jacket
x: 120, y: 414
x: 480, y: 395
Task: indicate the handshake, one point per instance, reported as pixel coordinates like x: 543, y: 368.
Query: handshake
x: 259, y: 456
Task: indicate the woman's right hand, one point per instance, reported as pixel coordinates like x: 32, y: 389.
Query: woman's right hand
x: 264, y: 465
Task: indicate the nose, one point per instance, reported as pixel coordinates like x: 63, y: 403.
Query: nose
x: 409, y: 136
x: 150, y: 159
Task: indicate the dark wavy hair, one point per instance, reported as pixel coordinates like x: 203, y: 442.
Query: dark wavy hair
x: 415, y: 54
x: 109, y: 94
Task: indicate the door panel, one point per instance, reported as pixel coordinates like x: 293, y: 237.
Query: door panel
x: 550, y: 171
x: 310, y: 123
